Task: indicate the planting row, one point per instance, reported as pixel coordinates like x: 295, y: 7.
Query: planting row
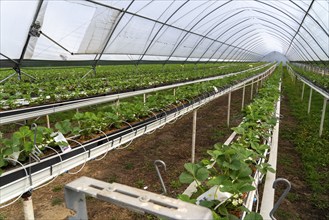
x: 313, y: 149
x: 84, y: 126
x: 225, y: 177
x: 56, y: 87
x: 319, y: 80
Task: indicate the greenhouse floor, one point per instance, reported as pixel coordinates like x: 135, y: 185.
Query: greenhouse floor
x: 133, y: 166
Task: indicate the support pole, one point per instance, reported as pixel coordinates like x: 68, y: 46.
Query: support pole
x: 303, y: 91
x: 243, y: 95
x: 252, y: 88
x: 144, y: 98
x: 174, y: 91
x: 323, y: 115
x: 194, y: 135
x: 228, y: 109
x: 257, y: 84
x: 309, y: 101
x: 48, y: 121
x: 28, y: 206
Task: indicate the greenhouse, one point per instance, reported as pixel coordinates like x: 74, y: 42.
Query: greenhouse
x: 164, y: 109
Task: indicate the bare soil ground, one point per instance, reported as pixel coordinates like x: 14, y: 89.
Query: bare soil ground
x: 133, y: 166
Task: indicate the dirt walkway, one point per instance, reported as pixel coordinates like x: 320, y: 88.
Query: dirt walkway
x: 134, y: 165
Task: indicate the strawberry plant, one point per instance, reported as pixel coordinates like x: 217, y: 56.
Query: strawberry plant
x: 229, y: 168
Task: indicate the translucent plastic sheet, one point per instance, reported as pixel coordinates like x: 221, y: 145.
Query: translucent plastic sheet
x: 200, y: 30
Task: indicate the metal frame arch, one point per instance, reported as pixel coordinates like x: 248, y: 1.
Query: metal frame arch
x: 284, y: 34
x: 231, y: 43
x: 296, y: 23
x: 202, y: 39
x: 287, y: 26
x: 264, y: 31
x: 287, y: 32
x: 242, y: 42
x: 188, y: 31
x: 150, y: 44
x: 250, y: 45
x: 324, y: 30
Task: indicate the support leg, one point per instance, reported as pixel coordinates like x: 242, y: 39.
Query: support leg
x: 303, y: 90
x: 194, y: 134
x: 28, y: 206
x: 243, y: 95
x: 77, y: 202
x: 252, y: 89
x: 48, y: 121
x: 309, y: 101
x: 144, y: 98
x: 228, y: 109
x: 323, y: 115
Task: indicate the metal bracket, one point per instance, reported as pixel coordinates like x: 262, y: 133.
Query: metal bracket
x: 134, y: 199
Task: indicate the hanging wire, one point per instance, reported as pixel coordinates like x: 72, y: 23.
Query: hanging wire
x: 108, y: 140
x: 59, y: 172
x: 86, y: 156
x: 127, y: 145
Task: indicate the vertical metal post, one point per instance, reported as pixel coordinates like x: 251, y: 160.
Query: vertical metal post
x: 303, y: 91
x: 323, y: 115
x: 28, y: 206
x: 252, y: 88
x: 174, y: 91
x: 257, y: 85
x: 228, y: 109
x: 144, y: 98
x: 243, y: 94
x: 309, y: 101
x: 194, y: 134
x: 48, y: 121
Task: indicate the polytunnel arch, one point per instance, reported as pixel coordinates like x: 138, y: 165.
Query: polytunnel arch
x: 196, y: 40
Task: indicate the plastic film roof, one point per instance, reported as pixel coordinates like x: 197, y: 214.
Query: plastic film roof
x: 203, y: 30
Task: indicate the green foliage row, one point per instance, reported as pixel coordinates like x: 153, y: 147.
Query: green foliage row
x: 67, y: 84
x: 314, y: 150
x: 317, y: 79
x: 230, y: 167
x: 87, y: 124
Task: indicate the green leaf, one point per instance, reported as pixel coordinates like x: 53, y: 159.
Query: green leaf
x: 8, y: 151
x: 234, y: 165
x: 191, y: 168
x: 253, y: 216
x: 2, y: 162
x: 222, y: 210
x: 202, y: 174
x: 232, y: 217
x: 186, y: 198
x: 28, y: 146
x: 218, y: 180
x: 186, y: 178
x: 246, y: 188
x: 207, y: 204
x: 64, y: 126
